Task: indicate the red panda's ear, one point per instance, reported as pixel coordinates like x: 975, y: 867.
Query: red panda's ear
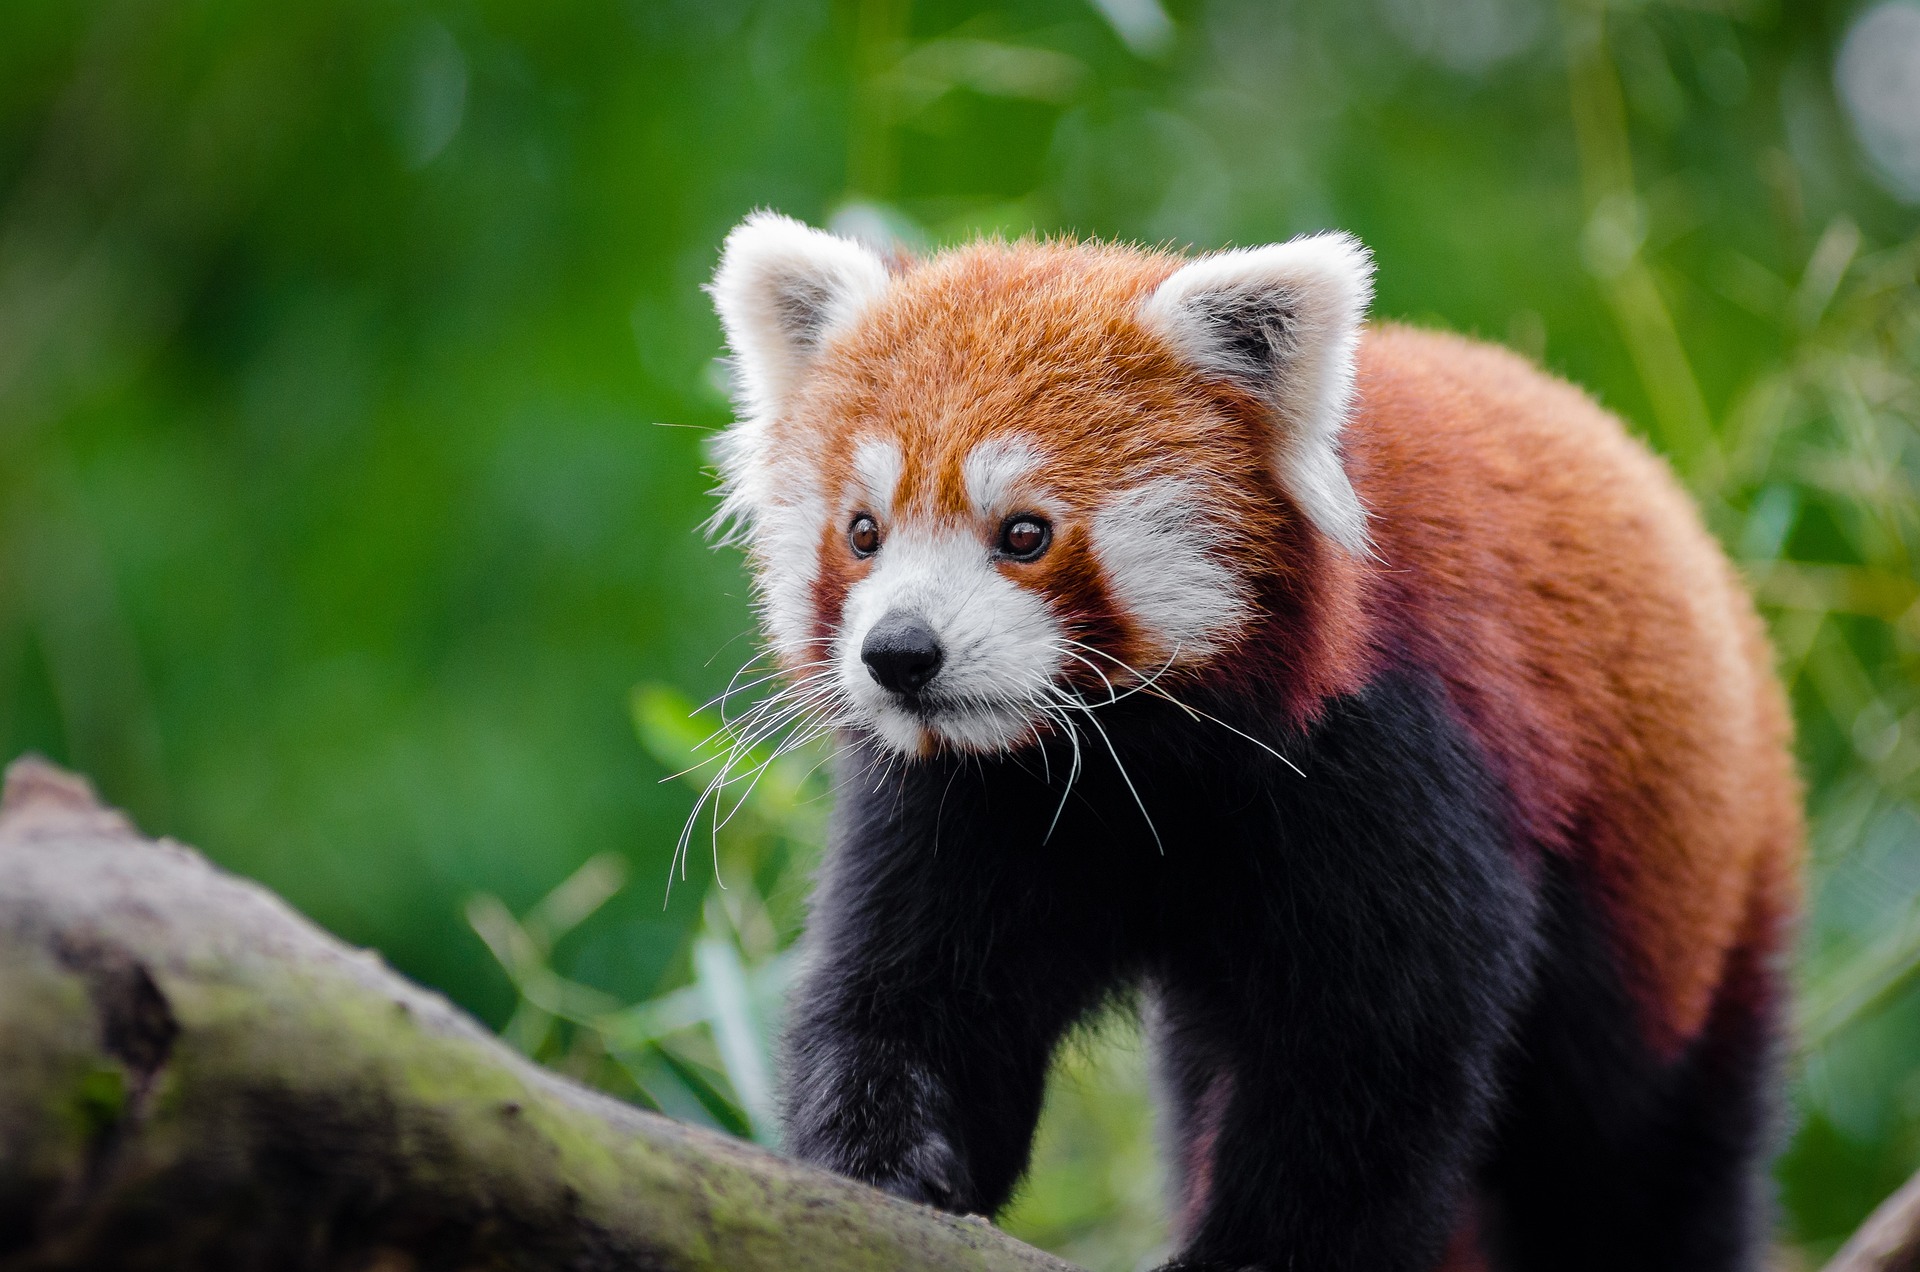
x: 1283, y: 320
x: 782, y: 288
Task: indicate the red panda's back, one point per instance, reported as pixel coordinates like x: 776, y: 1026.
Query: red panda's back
x: 1599, y: 644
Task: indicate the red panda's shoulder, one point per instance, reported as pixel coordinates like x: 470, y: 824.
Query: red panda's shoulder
x: 1557, y: 575
x: 1461, y: 391
x: 1446, y: 426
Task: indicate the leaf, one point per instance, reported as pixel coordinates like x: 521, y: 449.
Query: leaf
x: 632, y: 1028
x: 692, y: 743
x: 717, y: 1105
x: 1862, y: 984
x: 743, y: 1043
x: 516, y: 952
x: 569, y: 905
x: 525, y: 964
x: 668, y: 724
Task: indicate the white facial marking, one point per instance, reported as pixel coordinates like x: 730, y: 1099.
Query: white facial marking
x: 1284, y: 320
x: 994, y: 471
x: 1000, y: 642
x: 783, y: 291
x: 1151, y: 541
x: 773, y: 505
x: 788, y: 545
x: 876, y: 476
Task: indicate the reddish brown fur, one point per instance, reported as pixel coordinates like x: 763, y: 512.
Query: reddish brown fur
x: 1542, y: 562
x: 1600, y: 646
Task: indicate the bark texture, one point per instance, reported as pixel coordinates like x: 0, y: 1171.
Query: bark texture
x: 194, y: 1076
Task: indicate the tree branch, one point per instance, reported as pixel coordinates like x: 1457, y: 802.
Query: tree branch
x: 192, y: 1075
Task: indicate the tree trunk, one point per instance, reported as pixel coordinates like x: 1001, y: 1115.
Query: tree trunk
x: 194, y: 1076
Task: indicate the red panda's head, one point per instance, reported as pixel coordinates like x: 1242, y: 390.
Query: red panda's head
x: 973, y: 484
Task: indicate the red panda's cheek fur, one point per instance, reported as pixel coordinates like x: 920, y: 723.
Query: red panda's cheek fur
x: 1315, y: 639
x: 1307, y: 635
x: 837, y: 572
x: 1069, y: 577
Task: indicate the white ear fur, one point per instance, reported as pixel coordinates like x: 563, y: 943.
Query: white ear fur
x: 782, y: 288
x: 1284, y: 320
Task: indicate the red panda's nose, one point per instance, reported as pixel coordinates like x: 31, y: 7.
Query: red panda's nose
x: 901, y: 652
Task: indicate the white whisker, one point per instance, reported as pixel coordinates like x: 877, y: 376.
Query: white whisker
x: 797, y: 714
x: 1149, y: 684
x: 1073, y: 773
x: 1093, y: 719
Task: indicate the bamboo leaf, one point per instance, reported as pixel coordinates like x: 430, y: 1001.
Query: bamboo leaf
x: 737, y: 1031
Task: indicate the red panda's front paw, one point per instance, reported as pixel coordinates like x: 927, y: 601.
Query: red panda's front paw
x: 930, y: 1173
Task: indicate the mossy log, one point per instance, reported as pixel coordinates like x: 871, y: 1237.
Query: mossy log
x: 194, y: 1076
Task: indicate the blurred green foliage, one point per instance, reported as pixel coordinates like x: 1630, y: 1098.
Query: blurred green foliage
x: 354, y: 374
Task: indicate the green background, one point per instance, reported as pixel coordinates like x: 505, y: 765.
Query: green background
x: 355, y: 374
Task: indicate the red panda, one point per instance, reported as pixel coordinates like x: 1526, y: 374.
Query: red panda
x: 1364, y: 698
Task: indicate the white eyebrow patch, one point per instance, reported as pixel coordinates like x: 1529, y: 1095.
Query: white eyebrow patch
x: 876, y: 474
x: 1151, y: 541
x: 994, y: 470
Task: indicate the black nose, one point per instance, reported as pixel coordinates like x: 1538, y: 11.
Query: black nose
x: 901, y: 652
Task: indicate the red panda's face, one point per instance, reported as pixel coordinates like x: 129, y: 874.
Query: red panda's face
x: 1007, y: 482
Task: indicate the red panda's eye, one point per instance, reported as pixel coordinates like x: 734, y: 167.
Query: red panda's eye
x: 863, y: 536
x: 1025, y: 537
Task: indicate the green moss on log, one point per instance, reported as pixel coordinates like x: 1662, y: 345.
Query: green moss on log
x: 193, y: 1075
